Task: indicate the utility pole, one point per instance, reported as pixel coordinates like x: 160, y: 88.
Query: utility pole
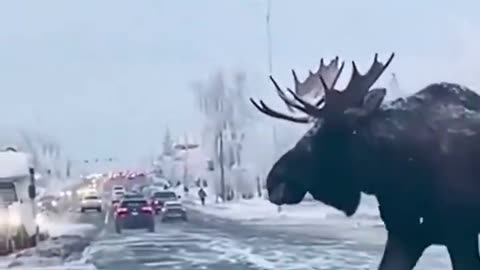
x: 222, y: 168
x: 185, y: 161
x: 269, y: 37
x: 275, y: 154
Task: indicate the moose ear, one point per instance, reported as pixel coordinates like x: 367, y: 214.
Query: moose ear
x: 371, y: 102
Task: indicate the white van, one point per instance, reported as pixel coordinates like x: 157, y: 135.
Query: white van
x: 18, y: 210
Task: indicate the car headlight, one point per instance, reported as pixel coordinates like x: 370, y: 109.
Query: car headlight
x: 39, y: 204
x: 69, y: 193
x: 54, y: 203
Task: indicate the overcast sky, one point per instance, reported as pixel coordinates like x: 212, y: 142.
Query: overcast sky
x: 106, y: 77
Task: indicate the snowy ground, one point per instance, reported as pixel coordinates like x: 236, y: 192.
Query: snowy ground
x: 260, y: 210
x: 243, y: 235
x: 69, y: 236
x: 315, y: 220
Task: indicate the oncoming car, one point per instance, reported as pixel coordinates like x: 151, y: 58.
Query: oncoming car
x: 48, y: 203
x: 91, y: 202
x: 134, y: 214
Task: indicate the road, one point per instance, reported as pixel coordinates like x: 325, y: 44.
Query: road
x: 207, y: 242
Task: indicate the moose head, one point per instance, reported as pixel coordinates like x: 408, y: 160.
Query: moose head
x: 319, y: 162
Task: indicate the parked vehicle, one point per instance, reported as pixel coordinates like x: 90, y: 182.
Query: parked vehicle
x: 18, y: 209
x: 134, y: 214
x: 91, y: 202
x: 159, y: 198
x: 173, y: 210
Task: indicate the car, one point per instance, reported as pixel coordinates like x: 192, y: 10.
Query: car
x: 91, y: 202
x: 134, y: 214
x: 173, y: 210
x: 159, y: 198
x: 114, y: 204
x: 48, y: 203
x: 118, y: 194
x: 118, y: 188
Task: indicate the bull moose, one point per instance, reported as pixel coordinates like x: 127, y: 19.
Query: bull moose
x: 418, y: 155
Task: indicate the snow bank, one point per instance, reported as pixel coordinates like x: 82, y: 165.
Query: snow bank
x: 261, y: 211
x: 57, y: 225
x: 63, y: 250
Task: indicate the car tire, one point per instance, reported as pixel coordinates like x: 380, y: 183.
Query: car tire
x: 151, y: 228
x: 82, y: 210
x: 185, y: 218
x: 99, y: 209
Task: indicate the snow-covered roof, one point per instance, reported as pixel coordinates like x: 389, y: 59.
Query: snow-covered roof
x: 14, y: 164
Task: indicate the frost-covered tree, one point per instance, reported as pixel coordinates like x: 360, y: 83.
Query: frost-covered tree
x: 222, y: 100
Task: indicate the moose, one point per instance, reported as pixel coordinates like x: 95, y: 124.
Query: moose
x: 418, y: 155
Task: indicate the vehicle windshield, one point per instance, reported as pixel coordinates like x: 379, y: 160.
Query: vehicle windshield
x: 91, y: 198
x: 8, y: 194
x: 127, y: 196
x: 164, y: 195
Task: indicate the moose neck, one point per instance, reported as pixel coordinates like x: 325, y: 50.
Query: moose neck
x: 383, y: 161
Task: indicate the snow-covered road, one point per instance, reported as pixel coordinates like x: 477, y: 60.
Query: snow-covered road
x: 210, y: 242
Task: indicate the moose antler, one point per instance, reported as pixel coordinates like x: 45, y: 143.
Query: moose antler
x: 330, y: 73
x: 357, y: 87
x: 312, y: 84
x: 333, y: 99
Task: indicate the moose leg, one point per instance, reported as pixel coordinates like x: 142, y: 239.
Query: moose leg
x: 402, y: 252
x: 407, y: 239
x: 463, y: 251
